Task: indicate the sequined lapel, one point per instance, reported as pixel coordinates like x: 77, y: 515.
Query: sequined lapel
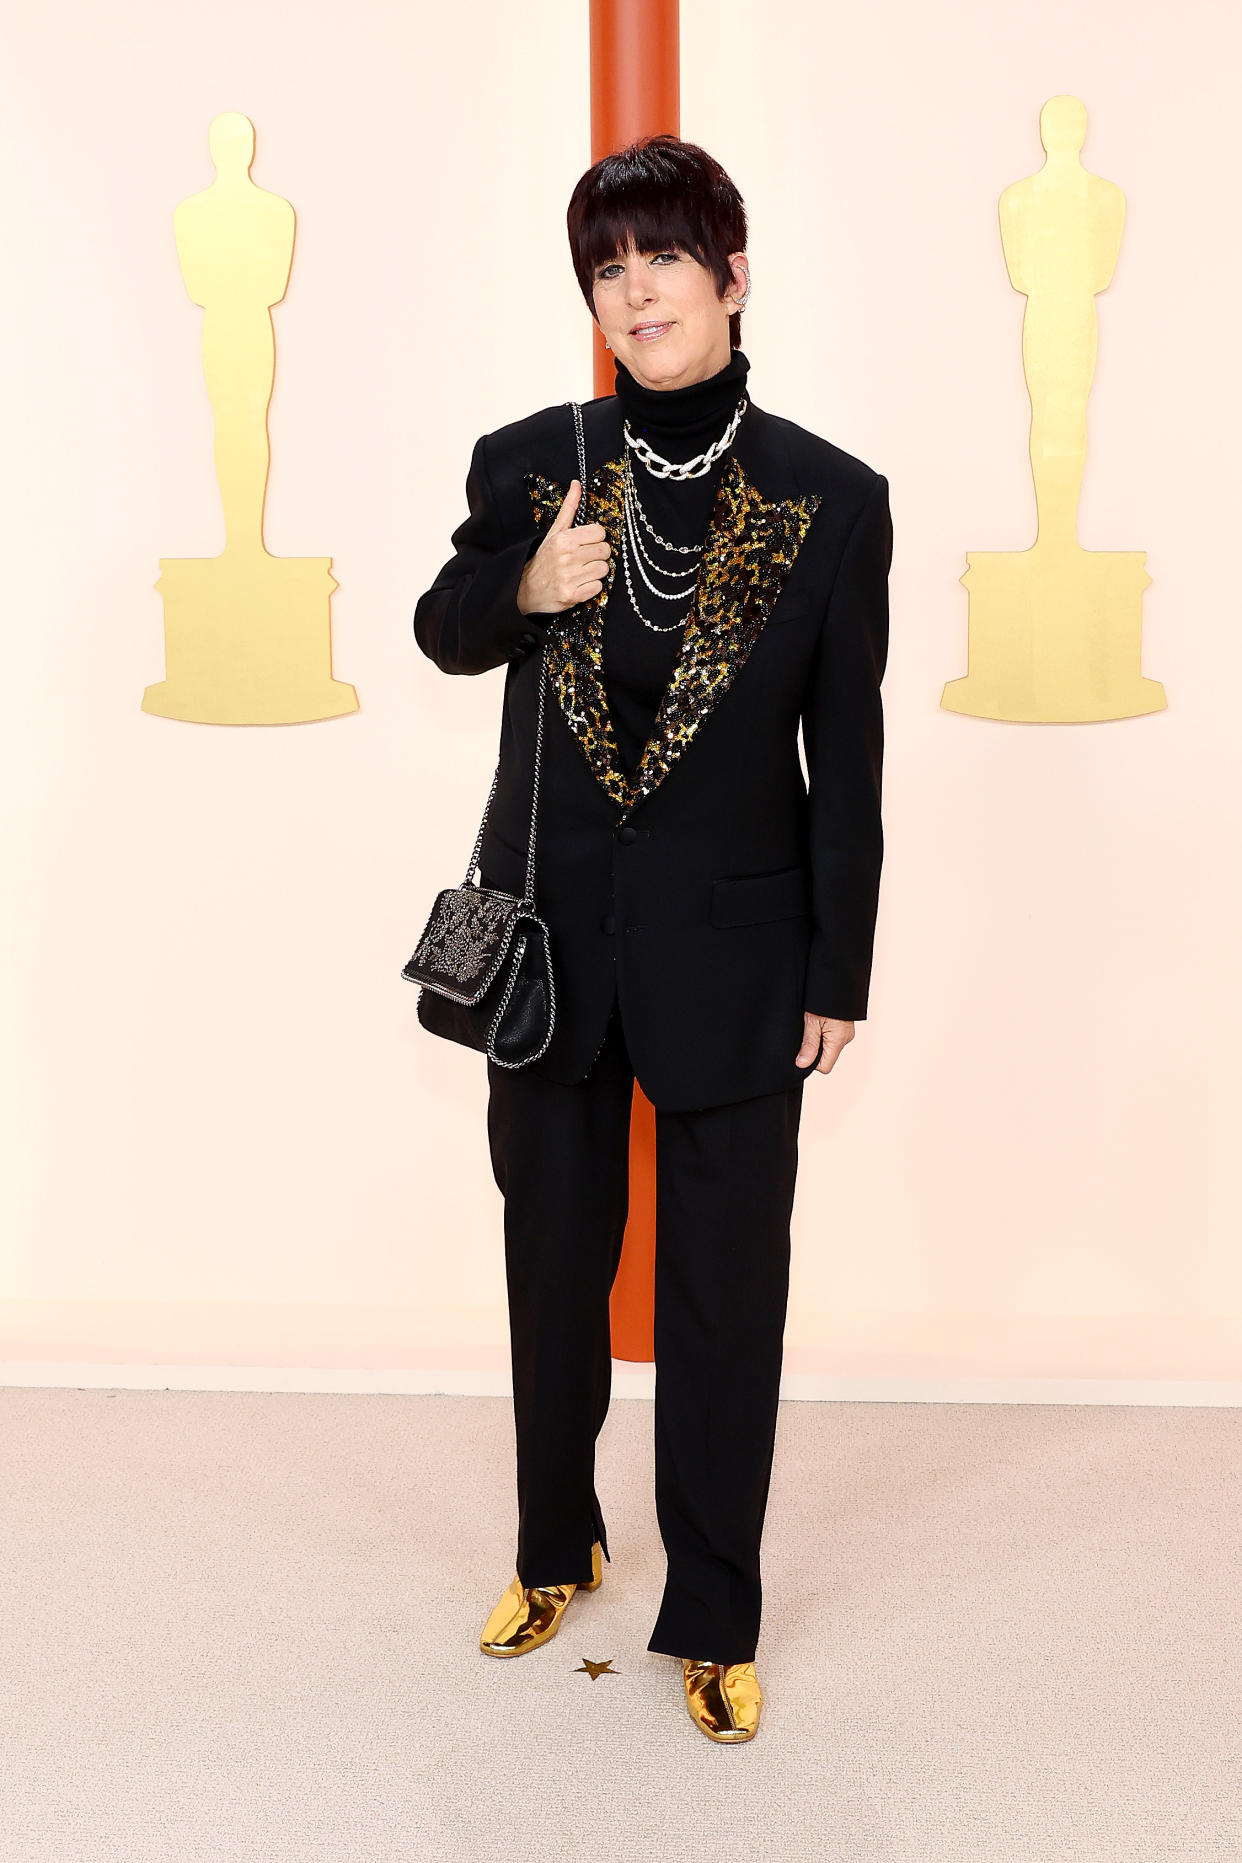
x: 575, y: 649
x: 749, y: 549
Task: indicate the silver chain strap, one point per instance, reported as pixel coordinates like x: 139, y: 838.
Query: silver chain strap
x: 528, y: 898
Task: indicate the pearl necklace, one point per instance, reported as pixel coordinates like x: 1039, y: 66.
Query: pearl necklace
x: 661, y: 468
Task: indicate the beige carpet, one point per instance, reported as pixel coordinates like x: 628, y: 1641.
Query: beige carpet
x: 241, y: 1626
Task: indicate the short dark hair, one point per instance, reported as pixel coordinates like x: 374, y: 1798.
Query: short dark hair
x: 657, y: 192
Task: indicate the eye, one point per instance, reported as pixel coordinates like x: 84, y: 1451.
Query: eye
x: 614, y: 265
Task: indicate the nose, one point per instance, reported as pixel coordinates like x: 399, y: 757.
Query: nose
x: 637, y: 290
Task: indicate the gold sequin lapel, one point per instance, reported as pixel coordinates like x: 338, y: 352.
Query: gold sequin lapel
x: 749, y: 549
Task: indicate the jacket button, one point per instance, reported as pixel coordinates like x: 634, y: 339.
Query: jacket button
x: 626, y: 835
x: 608, y: 923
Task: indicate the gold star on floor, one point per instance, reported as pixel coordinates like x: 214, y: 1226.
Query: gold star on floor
x: 596, y: 1669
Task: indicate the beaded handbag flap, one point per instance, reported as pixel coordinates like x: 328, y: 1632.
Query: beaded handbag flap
x: 464, y: 941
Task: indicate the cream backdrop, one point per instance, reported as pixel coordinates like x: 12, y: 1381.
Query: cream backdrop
x: 233, y: 1155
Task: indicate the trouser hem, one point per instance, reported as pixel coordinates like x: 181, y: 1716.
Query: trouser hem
x: 686, y: 1648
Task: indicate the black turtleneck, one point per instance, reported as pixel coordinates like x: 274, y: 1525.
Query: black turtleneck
x: 678, y: 422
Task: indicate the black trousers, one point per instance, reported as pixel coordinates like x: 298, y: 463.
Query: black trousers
x: 724, y: 1194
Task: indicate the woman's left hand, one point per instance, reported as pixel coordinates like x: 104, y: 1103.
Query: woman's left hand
x: 836, y: 1033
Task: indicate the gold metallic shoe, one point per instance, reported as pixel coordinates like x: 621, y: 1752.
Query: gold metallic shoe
x: 724, y: 1698
x: 527, y: 1616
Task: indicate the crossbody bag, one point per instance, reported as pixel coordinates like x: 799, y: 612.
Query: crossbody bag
x: 484, y: 961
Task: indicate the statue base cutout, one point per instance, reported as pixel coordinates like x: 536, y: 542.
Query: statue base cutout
x: 248, y: 640
x: 1055, y: 636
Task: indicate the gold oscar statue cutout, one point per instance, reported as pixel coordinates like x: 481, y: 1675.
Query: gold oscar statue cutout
x: 1055, y: 632
x: 247, y: 636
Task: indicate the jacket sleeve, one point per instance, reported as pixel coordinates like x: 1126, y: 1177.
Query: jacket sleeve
x: 843, y: 731
x: 469, y: 621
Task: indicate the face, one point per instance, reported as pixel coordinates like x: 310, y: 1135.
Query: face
x: 670, y: 290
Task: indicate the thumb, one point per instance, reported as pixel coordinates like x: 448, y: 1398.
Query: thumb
x: 812, y: 1037
x: 565, y: 516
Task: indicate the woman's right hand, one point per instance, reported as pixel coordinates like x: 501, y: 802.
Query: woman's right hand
x: 570, y: 564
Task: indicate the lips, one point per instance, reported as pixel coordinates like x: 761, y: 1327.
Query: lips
x: 647, y: 332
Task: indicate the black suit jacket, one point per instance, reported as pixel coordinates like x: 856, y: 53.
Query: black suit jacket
x: 708, y: 889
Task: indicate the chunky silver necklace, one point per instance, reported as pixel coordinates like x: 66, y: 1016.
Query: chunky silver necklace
x: 632, y: 546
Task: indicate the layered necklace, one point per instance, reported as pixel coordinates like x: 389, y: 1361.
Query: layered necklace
x: 633, y: 548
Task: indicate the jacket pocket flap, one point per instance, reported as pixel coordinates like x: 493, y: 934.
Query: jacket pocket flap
x: 749, y: 899
x: 789, y: 607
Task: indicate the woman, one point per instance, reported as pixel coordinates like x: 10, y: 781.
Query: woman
x: 711, y: 922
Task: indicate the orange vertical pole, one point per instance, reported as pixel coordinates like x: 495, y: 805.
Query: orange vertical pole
x: 635, y: 91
